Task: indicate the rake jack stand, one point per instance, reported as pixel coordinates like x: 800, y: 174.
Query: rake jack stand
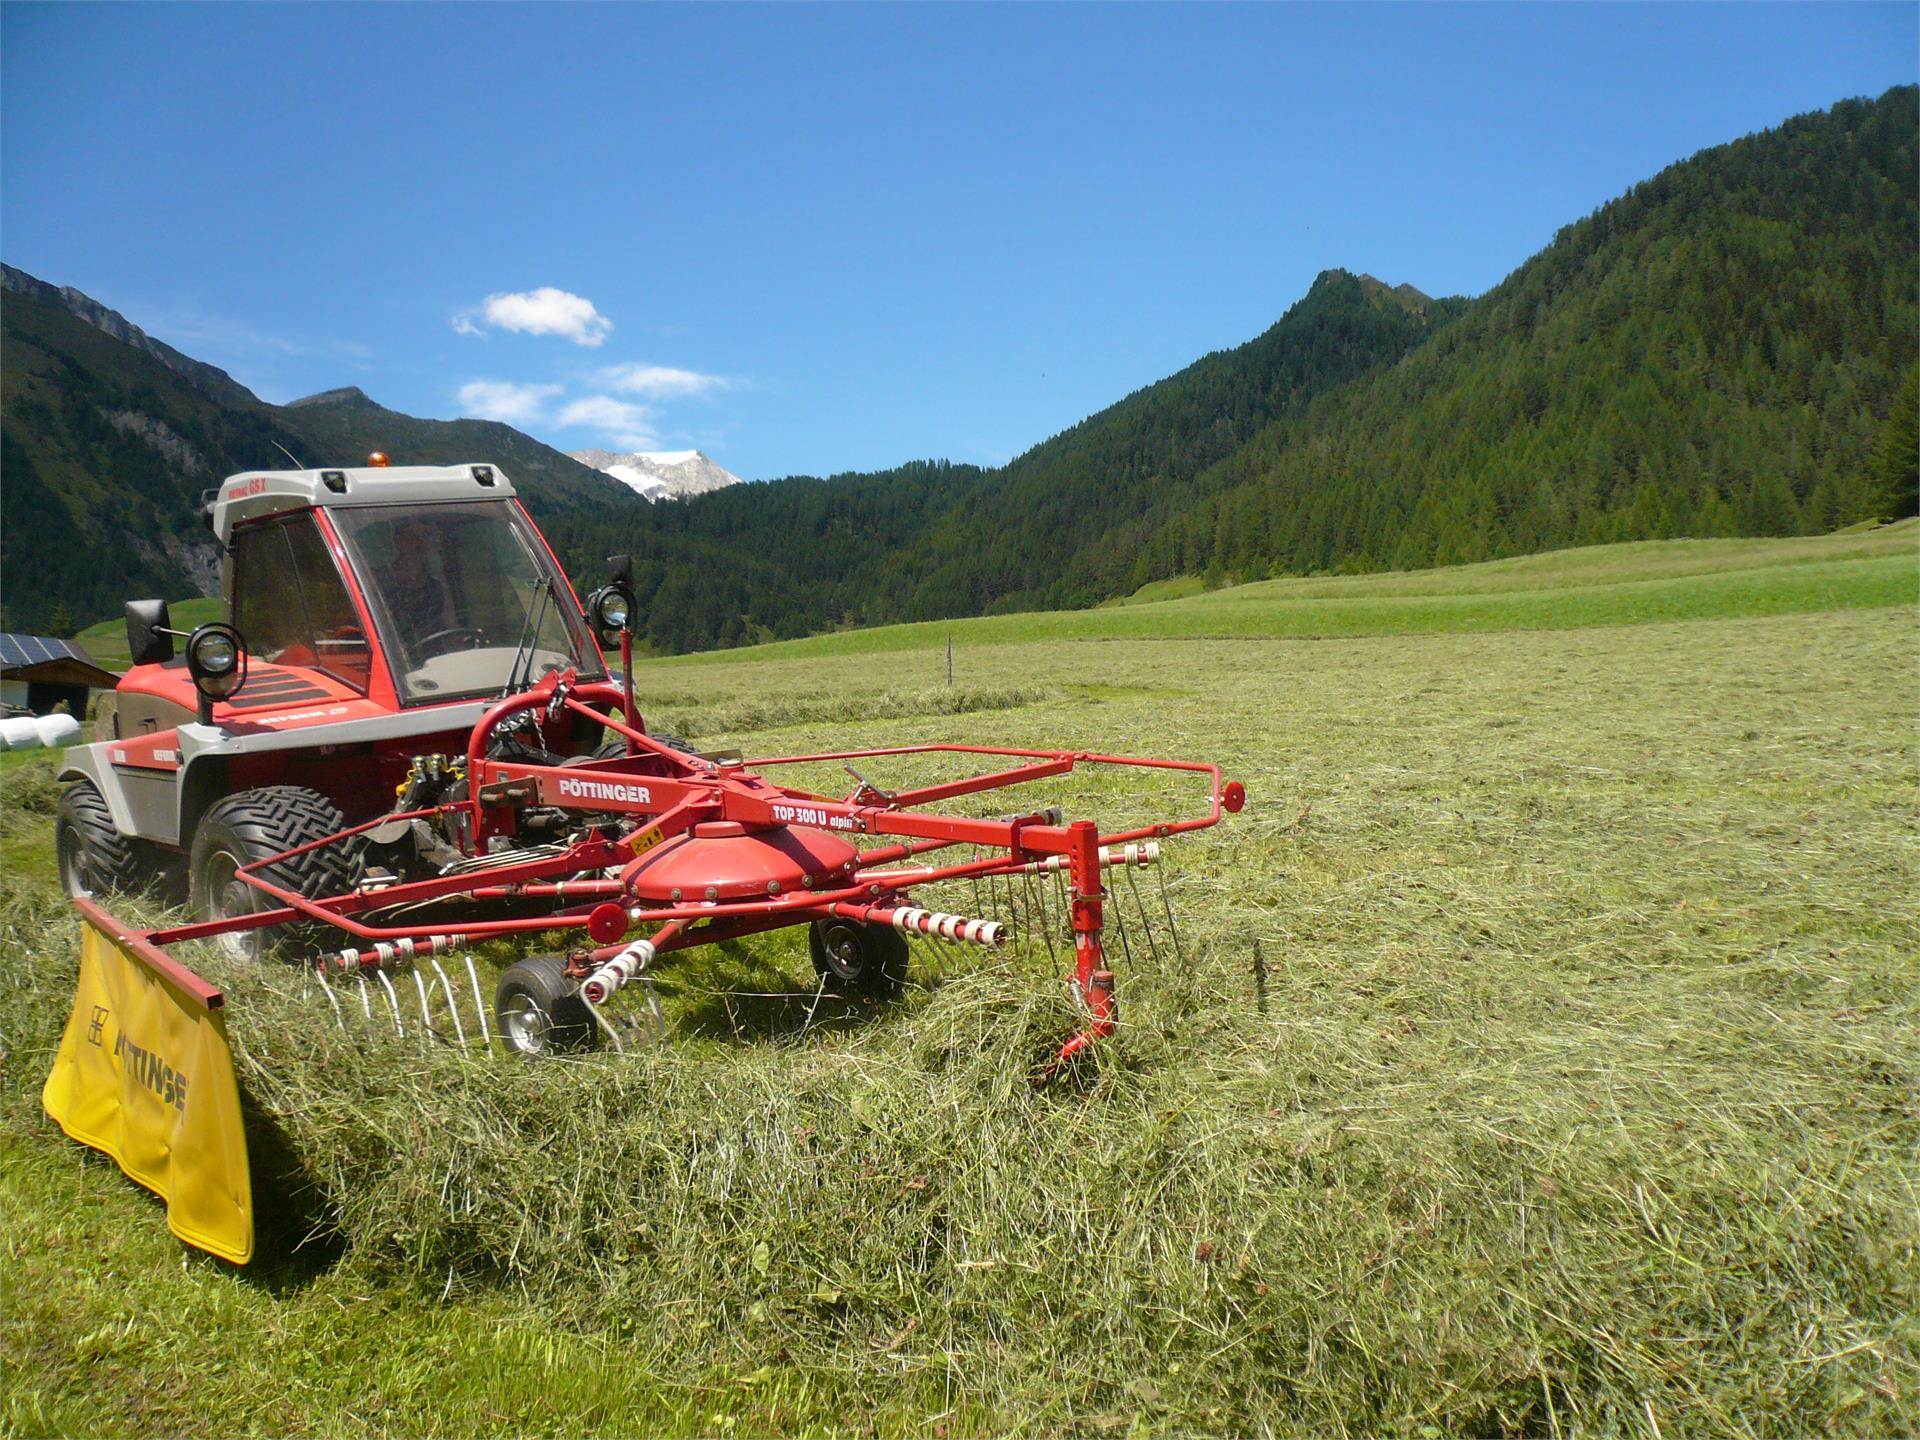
x: 1092, y: 982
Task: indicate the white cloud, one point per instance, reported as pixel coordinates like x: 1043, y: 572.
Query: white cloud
x: 503, y: 400
x: 545, y: 311
x: 655, y: 381
x: 628, y: 426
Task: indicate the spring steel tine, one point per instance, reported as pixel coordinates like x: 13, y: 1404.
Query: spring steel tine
x: 1179, y: 952
x: 1039, y: 905
x: 605, y: 1024
x: 819, y: 994
x: 656, y: 1016
x: 393, y: 1000
x: 480, y: 1008
x: 1119, y: 914
x: 1145, y: 924
x: 453, y: 1006
x: 426, y: 1005
x: 946, y: 953
x: 332, y: 999
x: 366, y: 1001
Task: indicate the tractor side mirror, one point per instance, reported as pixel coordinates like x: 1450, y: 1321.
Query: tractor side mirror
x: 149, y: 632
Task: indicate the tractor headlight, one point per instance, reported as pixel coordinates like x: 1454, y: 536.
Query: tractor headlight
x: 217, y: 660
x: 610, y: 610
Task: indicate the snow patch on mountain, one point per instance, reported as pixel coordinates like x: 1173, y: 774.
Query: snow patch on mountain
x: 660, y: 474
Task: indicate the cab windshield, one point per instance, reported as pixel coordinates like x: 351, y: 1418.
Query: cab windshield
x: 466, y: 598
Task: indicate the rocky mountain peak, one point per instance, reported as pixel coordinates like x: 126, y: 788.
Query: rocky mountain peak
x: 660, y: 474
x: 344, y: 395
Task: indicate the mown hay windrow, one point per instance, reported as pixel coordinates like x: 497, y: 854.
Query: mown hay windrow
x: 764, y: 710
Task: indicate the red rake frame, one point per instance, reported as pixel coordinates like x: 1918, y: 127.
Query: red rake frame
x: 671, y: 795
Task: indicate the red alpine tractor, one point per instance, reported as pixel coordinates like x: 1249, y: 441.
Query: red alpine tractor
x: 405, y: 741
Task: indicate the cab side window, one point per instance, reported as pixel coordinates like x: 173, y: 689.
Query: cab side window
x: 290, y: 603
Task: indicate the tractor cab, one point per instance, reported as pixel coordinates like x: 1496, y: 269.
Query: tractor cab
x: 378, y: 589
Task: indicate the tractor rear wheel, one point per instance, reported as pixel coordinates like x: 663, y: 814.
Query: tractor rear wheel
x: 616, y: 746
x: 94, y: 856
x: 252, y: 825
x: 538, y: 1010
x: 856, y: 957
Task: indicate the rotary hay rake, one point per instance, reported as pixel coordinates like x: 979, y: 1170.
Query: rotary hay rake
x: 699, y: 849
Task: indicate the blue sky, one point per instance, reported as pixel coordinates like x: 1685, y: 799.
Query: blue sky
x: 817, y: 239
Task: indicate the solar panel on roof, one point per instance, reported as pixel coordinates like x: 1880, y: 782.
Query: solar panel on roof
x: 37, y: 650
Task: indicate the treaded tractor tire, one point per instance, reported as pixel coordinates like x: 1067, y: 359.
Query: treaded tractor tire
x: 857, y: 958
x: 250, y: 826
x: 538, y: 1010
x: 93, y: 856
x: 617, y: 746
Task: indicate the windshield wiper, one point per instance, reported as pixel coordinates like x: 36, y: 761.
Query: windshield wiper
x: 529, y: 637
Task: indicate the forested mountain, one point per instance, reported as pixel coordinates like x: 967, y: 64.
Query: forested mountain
x: 1729, y: 348
x: 932, y: 539
x: 1716, y: 352
x: 107, y: 439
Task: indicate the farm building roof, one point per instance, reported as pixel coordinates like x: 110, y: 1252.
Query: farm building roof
x: 60, y: 662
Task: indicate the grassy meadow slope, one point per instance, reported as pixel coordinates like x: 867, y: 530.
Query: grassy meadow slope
x: 1623, y: 584
x: 1577, y: 1089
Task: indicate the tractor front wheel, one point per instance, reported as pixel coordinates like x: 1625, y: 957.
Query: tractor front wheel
x: 253, y: 825
x: 94, y: 856
x: 852, y: 956
x: 539, y: 1012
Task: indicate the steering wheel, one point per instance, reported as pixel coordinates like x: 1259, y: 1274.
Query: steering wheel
x: 423, y: 646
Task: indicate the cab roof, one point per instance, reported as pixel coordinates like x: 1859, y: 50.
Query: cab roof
x: 254, y: 493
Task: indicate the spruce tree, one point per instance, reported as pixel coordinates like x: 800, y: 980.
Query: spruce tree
x: 1896, y: 461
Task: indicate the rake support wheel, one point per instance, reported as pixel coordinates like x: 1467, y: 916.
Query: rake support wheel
x: 856, y: 957
x: 538, y: 1010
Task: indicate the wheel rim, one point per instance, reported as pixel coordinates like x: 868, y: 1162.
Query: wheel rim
x: 845, y: 950
x: 527, y: 1027
x: 71, y: 852
x: 229, y: 896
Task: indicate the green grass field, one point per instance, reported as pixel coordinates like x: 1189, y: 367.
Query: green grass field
x: 1577, y: 1089
x: 1631, y: 584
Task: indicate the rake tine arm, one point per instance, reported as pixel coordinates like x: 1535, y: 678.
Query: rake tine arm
x: 887, y: 854
x: 996, y: 780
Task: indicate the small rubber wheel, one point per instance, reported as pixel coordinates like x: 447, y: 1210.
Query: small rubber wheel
x: 853, y: 956
x: 93, y: 856
x: 538, y: 1010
